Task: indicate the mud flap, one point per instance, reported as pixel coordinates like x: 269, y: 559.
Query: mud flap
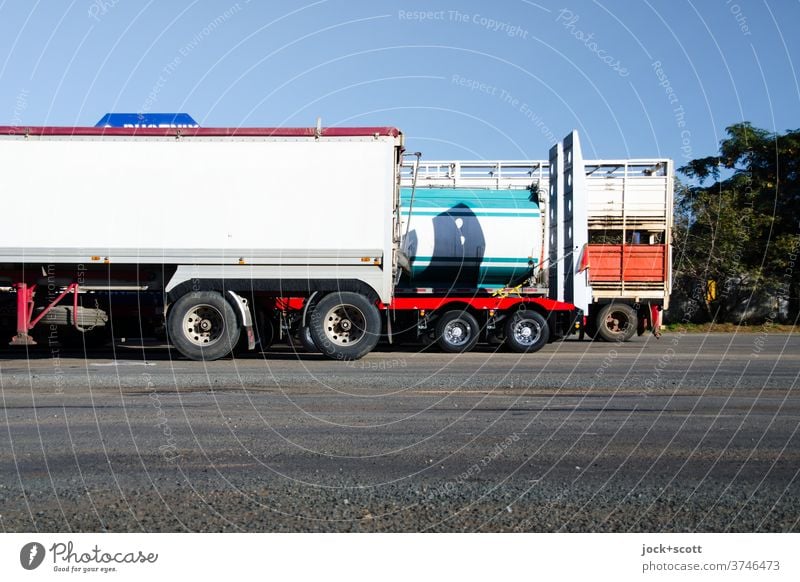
x: 247, y: 319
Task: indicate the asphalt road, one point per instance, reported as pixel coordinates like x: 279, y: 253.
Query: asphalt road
x: 686, y: 433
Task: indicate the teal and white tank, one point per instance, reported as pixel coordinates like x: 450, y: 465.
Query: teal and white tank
x: 471, y: 238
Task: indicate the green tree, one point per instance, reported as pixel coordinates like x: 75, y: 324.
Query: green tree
x: 741, y: 231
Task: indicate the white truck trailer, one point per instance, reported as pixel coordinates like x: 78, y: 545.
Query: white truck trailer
x: 210, y: 219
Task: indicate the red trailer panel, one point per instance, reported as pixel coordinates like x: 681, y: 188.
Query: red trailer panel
x: 629, y: 263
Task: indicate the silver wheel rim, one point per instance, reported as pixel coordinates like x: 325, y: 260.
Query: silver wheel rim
x: 457, y: 332
x: 526, y: 332
x: 617, y: 321
x: 203, y: 325
x: 345, y: 325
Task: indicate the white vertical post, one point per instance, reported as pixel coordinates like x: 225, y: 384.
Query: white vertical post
x: 576, y: 224
x: 569, y: 224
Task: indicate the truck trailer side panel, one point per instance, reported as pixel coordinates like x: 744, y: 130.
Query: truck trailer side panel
x: 128, y: 197
x: 208, y: 215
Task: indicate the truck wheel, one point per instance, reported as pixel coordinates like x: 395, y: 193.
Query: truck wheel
x: 526, y: 332
x: 305, y: 339
x: 457, y: 331
x: 345, y: 326
x: 266, y: 332
x: 641, y: 326
x: 616, y: 322
x: 203, y: 326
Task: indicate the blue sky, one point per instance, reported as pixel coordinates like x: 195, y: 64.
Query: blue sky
x: 466, y: 79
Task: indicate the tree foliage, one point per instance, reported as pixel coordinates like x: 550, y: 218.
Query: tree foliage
x: 737, y: 228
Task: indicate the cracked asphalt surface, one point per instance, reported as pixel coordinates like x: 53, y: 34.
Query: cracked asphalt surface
x: 687, y: 433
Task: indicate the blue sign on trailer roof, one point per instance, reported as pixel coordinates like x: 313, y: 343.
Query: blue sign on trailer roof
x: 147, y: 120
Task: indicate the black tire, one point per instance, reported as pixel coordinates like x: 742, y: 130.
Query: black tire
x: 590, y: 329
x: 202, y: 325
x: 457, y: 331
x: 526, y: 332
x: 266, y: 333
x: 345, y: 326
x: 306, y: 341
x: 642, y: 325
x: 616, y: 322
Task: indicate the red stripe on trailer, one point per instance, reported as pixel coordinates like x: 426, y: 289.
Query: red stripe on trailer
x: 500, y: 303
x: 472, y: 292
x: 47, y: 131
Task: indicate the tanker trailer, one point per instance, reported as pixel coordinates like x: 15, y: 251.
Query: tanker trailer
x: 470, y: 238
x: 471, y: 256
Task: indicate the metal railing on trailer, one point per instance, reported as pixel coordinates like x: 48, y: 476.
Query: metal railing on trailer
x: 624, y: 194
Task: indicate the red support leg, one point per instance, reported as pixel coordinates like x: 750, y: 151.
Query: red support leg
x: 24, y: 312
